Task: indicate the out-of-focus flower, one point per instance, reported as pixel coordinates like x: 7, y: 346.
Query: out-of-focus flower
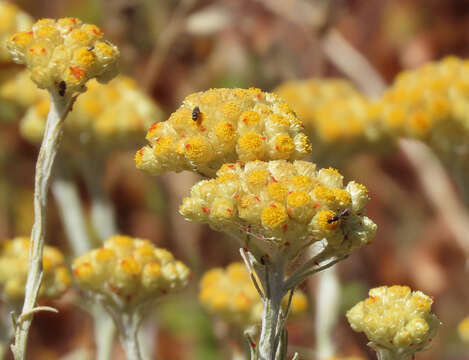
x: 106, y: 116
x: 430, y: 103
x: 463, y: 330
x: 126, y: 273
x: 14, y: 264
x: 396, y: 320
x: 230, y: 294
x: 338, y: 120
x: 12, y: 20
x: 20, y: 90
x: 282, y: 207
x: 62, y: 55
x: 220, y: 126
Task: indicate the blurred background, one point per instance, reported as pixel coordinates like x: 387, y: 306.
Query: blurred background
x: 175, y: 47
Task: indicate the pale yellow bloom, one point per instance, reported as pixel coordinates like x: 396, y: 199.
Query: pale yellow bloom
x: 14, y: 264
x: 338, y: 120
x: 12, y: 20
x: 127, y: 272
x: 396, y: 319
x: 230, y: 294
x: 279, y: 206
x: 62, y: 55
x: 105, y: 117
x: 220, y: 126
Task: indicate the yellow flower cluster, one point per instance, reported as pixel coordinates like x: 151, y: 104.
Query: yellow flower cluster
x: 20, y: 90
x: 127, y: 272
x: 430, y: 103
x: 463, y: 330
x: 221, y: 126
x: 338, y: 119
x: 230, y: 294
x: 110, y: 115
x: 14, y: 264
x: 12, y: 19
x: 284, y: 206
x: 64, y: 54
x: 395, y: 318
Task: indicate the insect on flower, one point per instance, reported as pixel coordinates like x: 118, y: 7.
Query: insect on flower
x: 195, y: 113
x: 62, y: 88
x: 342, y: 214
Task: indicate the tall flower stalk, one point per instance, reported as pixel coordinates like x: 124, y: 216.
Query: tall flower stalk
x: 62, y: 56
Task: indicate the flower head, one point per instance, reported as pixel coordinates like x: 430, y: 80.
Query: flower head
x: 224, y: 125
x: 230, y: 294
x: 14, y: 264
x: 338, y: 120
x: 430, y: 103
x: 106, y: 116
x: 127, y: 272
x: 12, y: 19
x: 62, y: 55
x: 282, y: 207
x: 395, y: 319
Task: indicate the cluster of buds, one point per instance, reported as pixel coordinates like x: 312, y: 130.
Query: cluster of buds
x: 62, y: 55
x: 283, y: 207
x: 12, y: 20
x: 126, y: 273
x: 430, y: 103
x: 14, y: 265
x: 220, y: 126
x: 230, y: 294
x: 396, y: 320
x: 338, y: 119
x: 106, y: 116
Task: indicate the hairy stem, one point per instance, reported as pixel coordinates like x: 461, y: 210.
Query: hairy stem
x: 102, y: 210
x: 70, y: 207
x: 59, y: 108
x: 271, y: 329
x: 71, y: 210
x: 128, y: 324
x: 327, y: 311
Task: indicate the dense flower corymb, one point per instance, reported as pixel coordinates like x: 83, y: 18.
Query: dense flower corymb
x: 12, y: 19
x: 126, y: 272
x: 230, y: 294
x: 220, y: 126
x: 14, y: 265
x: 338, y: 120
x: 110, y: 115
x: 396, y: 319
x: 282, y: 205
x: 64, y: 54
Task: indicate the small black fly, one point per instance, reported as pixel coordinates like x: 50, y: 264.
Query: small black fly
x: 195, y: 113
x: 343, y: 213
x: 62, y: 88
x: 90, y: 48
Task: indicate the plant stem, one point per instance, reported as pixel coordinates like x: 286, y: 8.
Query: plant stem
x: 327, y: 311
x: 274, y: 291
x: 128, y: 324
x: 59, y: 108
x: 71, y: 212
x: 102, y: 210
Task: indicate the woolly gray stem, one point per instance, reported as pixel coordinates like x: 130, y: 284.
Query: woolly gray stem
x: 59, y: 108
x: 386, y: 354
x: 327, y: 311
x: 273, y: 285
x: 71, y: 210
x: 102, y: 210
x: 128, y: 324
